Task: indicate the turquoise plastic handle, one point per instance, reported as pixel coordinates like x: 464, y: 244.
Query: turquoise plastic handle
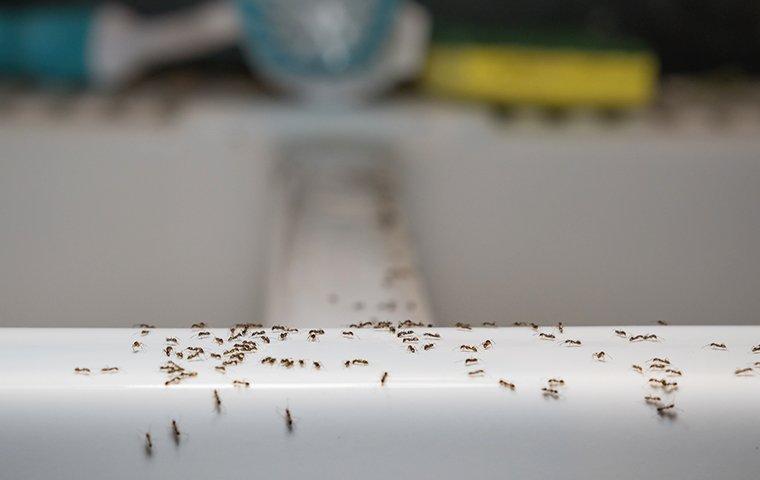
x: 48, y: 44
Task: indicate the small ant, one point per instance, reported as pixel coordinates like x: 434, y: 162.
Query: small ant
x: 172, y: 340
x: 621, y: 333
x: 348, y: 334
x: 172, y: 381
x: 288, y: 420
x: 470, y: 361
x: 194, y: 355
x: 546, y: 336
x: 411, y: 348
x: 215, y: 356
x: 219, y: 341
x: 283, y: 336
x: 145, y: 325
x: 301, y: 363
x: 404, y: 333
x: 666, y: 409
x: 756, y: 349
x: 264, y: 339
x: 468, y: 348
x: 198, y: 325
x: 742, y: 371
x: 550, y: 392
x: 487, y: 344
x: 109, y: 369
x: 431, y: 335
x: 429, y: 346
x: 203, y: 334
x: 347, y: 363
x: 217, y: 400
x: 638, y: 368
x: 652, y: 337
x: 560, y: 327
x: 662, y: 383
x: 555, y: 381
x: 359, y: 361
x: 716, y: 346
x: 519, y: 324
x: 600, y: 356
x: 136, y: 346
x: 148, y: 444
x: 312, y: 337
x: 168, y: 350
x: 410, y: 340
x: 175, y: 431
x: 317, y: 365
x: 489, y: 324
x: 659, y: 360
x: 507, y: 384
x: 241, y: 383
x: 657, y: 366
x: 144, y: 333
x: 221, y: 368
x: 383, y: 379
x: 674, y: 372
x: 652, y: 399
x: 661, y: 322
x: 572, y: 343
x: 287, y: 362
x: 463, y: 326
x: 477, y: 373
x: 82, y: 370
x: 179, y: 355
x: 269, y: 360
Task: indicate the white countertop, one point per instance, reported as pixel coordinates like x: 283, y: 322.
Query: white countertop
x: 430, y: 420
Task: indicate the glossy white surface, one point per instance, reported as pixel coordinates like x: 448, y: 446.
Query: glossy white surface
x: 430, y: 421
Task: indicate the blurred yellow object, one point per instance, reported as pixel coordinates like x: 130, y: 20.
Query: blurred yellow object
x: 539, y: 75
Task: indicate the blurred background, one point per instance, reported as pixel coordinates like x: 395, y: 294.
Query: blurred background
x: 590, y: 162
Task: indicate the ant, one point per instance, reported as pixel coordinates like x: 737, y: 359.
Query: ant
x: 109, y: 369
x: 666, y: 409
x: 429, y: 346
x: 489, y: 324
x: 546, y: 336
x: 264, y: 339
x: 347, y: 363
x: 172, y: 340
x: 674, y: 372
x: 507, y: 384
x: 175, y: 431
x: 148, y: 444
x: 301, y: 363
x: 742, y: 371
x: 82, y: 370
x: 652, y: 337
x: 477, y: 373
x: 411, y: 348
x: 219, y: 341
x: 410, y: 340
x: 172, y: 381
x: 636, y: 338
x: 145, y: 325
x: 756, y: 349
x: 600, y: 356
x: 519, y: 324
x: 283, y: 336
x: 137, y: 346
x: 289, y: 420
x: 179, y: 355
x: 661, y: 322
x: 404, y: 333
x: 716, y: 346
x: 215, y: 356
x: 144, y: 333
x: 312, y: 337
x: 269, y: 360
x: 560, y: 327
x: 638, y: 368
x: 652, y: 399
x: 287, y: 362
x: 194, y: 355
x: 436, y: 335
x: 359, y: 361
x: 198, y: 325
x: 621, y: 333
x: 657, y: 366
x: 470, y: 361
x: 463, y: 326
x: 221, y: 368
x: 487, y: 344
x: 217, y: 400
x: 659, y: 360
x: 317, y: 365
x: 555, y: 381
x: 241, y: 383
x: 550, y: 392
x: 383, y: 379
x: 348, y: 334
x: 203, y: 334
x: 468, y: 348
x: 662, y: 383
x: 168, y: 350
x: 572, y: 343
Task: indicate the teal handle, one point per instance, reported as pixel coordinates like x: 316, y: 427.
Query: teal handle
x: 48, y: 44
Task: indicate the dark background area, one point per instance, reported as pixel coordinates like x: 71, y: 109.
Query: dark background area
x: 689, y: 36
